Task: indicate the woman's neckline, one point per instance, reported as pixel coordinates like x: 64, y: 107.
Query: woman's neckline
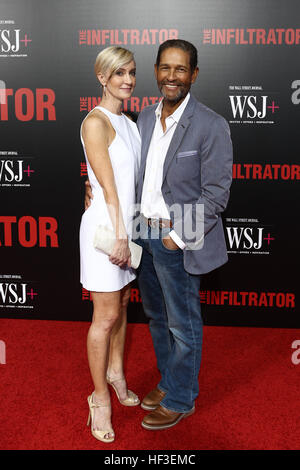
x: 114, y: 114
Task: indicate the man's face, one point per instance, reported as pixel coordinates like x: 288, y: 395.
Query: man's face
x: 173, y: 74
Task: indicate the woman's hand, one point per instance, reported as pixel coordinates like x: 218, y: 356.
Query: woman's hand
x: 88, y: 195
x: 121, y: 253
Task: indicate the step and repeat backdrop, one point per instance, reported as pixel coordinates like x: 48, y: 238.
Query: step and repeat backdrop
x: 249, y: 73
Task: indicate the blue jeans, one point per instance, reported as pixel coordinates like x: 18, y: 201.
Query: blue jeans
x: 171, y: 301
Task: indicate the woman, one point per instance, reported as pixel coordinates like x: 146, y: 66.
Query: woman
x: 111, y: 145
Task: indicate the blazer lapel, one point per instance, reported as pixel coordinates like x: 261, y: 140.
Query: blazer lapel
x: 146, y: 139
x: 179, y: 133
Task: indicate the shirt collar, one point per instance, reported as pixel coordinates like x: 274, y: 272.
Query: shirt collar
x: 177, y: 113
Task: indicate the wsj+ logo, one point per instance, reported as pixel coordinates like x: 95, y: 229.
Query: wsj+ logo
x: 250, y: 106
x: 10, y: 40
x: 11, y: 293
x: 247, y: 238
x: 13, y: 170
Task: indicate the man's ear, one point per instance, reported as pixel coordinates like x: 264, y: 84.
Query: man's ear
x: 195, y: 74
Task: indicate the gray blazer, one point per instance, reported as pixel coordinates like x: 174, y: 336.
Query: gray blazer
x: 197, y: 170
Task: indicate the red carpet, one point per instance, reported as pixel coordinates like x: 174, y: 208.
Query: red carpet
x: 249, y: 390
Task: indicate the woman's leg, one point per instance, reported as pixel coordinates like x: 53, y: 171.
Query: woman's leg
x: 115, y: 368
x: 105, y: 314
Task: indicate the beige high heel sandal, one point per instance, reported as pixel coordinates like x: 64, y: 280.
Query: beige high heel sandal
x: 100, y: 435
x: 131, y: 400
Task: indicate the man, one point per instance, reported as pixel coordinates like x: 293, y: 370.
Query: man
x: 183, y: 186
x: 186, y: 159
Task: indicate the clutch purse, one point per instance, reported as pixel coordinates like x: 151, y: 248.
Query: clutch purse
x: 105, y: 238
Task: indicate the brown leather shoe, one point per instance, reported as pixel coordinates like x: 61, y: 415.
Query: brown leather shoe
x: 152, y: 400
x: 161, y: 418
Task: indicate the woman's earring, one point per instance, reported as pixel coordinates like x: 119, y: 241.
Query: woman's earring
x: 104, y: 89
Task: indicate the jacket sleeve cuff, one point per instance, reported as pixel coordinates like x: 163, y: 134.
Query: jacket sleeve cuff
x: 177, y: 240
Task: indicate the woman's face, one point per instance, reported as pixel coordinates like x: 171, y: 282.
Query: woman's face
x: 122, y: 83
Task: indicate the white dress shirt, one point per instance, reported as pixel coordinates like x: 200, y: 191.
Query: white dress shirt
x: 152, y: 203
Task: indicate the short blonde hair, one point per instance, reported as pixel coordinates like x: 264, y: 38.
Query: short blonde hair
x: 111, y: 59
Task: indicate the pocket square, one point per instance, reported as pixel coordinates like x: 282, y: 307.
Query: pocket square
x: 188, y: 153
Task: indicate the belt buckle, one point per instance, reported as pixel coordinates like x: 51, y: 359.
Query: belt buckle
x: 164, y: 223
x: 152, y: 223
x: 160, y: 223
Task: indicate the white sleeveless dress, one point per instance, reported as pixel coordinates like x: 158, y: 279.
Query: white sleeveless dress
x: 97, y: 273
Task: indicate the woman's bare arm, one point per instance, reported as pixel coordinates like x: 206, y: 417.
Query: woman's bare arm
x: 97, y: 135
